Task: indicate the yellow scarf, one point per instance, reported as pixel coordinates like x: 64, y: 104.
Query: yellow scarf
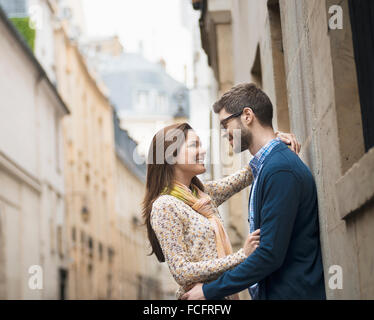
x: 202, y: 203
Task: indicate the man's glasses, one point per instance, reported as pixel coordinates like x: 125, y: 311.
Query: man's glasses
x: 225, y: 121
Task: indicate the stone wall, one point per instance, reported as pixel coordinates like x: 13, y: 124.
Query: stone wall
x: 309, y: 73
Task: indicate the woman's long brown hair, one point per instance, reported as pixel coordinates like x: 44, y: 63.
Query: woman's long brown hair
x: 160, y: 174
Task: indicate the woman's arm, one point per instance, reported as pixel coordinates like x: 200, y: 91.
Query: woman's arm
x: 223, y: 189
x: 169, y: 231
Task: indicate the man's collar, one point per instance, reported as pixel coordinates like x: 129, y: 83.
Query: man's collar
x: 261, y: 154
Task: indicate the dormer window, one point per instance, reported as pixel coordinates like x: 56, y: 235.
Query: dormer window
x: 161, y: 103
x: 15, y: 8
x: 142, y: 101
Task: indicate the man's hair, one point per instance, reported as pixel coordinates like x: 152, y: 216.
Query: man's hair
x: 247, y: 95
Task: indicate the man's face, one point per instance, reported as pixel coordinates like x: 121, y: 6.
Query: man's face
x: 239, y: 135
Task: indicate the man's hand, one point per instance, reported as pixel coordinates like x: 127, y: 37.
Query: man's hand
x: 196, y: 293
x: 290, y: 139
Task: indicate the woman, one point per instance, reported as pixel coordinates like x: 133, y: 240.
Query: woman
x: 183, y: 223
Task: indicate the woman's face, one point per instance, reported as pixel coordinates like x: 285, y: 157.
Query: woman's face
x: 190, y: 158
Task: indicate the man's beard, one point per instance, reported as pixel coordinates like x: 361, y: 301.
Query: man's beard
x: 242, y: 139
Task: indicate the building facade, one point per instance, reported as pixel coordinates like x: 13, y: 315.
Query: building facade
x: 32, y: 209
x: 81, y: 225
x: 319, y: 78
x: 145, y: 97
x: 41, y: 17
x: 105, y: 188
x: 90, y: 183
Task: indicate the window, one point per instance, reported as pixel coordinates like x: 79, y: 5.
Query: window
x: 15, y: 8
x: 90, y: 247
x: 110, y: 255
x: 87, y: 180
x: 362, y: 23
x: 63, y: 281
x: 142, y: 101
x: 161, y: 103
x: 89, y: 269
x: 100, y: 251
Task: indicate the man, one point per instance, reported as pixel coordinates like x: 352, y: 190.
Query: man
x: 283, y: 204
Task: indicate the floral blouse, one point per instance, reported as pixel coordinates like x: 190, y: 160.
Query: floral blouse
x: 187, y: 238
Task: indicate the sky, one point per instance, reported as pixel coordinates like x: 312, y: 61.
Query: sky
x: 162, y: 28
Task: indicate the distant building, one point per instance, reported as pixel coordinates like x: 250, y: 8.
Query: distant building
x: 72, y: 14
x: 105, y: 188
x: 90, y: 177
x: 94, y: 47
x: 41, y: 17
x: 145, y: 96
x: 32, y: 192
x: 15, y: 8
